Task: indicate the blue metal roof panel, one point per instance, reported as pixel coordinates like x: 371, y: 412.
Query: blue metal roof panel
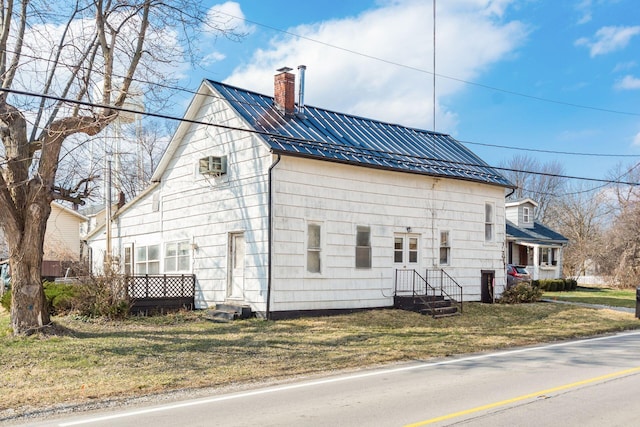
x: 333, y: 136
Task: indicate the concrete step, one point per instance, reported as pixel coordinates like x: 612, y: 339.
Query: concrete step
x: 228, y: 312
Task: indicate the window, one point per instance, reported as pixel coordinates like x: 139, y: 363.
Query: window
x: 548, y: 256
x: 313, y: 248
x: 488, y: 222
x: 128, y: 260
x: 398, y: 246
x: 363, y: 247
x: 526, y: 214
x: 176, y: 257
x: 148, y: 259
x: 405, y: 249
x: 445, y: 248
x: 413, y: 249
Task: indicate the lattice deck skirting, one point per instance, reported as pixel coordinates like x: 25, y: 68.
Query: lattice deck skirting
x: 161, y: 292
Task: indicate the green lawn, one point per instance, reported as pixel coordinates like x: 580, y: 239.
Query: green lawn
x: 602, y: 296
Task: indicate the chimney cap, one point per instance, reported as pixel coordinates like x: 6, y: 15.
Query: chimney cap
x: 284, y: 69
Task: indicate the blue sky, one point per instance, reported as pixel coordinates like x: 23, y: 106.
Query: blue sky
x: 542, y: 75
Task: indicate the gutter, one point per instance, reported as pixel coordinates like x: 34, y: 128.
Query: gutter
x: 270, y: 236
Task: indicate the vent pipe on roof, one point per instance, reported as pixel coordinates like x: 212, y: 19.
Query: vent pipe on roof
x: 301, y: 70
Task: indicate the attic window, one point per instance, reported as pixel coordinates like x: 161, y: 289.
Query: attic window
x: 526, y: 214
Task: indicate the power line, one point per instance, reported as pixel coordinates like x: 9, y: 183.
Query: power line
x: 421, y: 70
x: 194, y: 92
x: 537, y: 150
x: 308, y: 141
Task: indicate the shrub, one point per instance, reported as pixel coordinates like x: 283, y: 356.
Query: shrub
x: 96, y: 297
x: 521, y: 293
x: 61, y: 297
x: 103, y: 297
x: 5, y: 300
x: 557, y: 285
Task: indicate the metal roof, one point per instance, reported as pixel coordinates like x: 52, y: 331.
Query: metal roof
x: 328, y: 135
x: 539, y: 234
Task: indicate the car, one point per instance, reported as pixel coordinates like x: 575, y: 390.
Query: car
x: 517, y: 274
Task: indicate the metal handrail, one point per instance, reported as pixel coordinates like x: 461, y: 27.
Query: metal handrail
x: 447, y: 286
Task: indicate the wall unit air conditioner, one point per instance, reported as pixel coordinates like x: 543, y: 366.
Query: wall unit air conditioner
x: 213, y: 165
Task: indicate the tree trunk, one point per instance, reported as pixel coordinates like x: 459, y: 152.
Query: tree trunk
x: 29, y: 312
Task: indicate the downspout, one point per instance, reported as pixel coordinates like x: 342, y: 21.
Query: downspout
x: 270, y: 237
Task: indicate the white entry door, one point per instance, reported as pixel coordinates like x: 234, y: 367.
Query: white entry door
x: 406, y: 251
x: 236, y: 267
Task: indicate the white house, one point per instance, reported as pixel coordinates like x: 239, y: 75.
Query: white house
x: 291, y: 208
x: 531, y: 243
x: 62, y: 245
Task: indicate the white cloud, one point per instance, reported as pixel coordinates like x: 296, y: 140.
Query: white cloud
x: 636, y: 140
x: 584, y: 8
x: 470, y: 39
x: 624, y: 66
x: 608, y: 39
x: 628, y: 82
x: 227, y: 17
x: 212, y: 58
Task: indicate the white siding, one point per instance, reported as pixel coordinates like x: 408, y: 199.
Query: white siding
x: 204, y: 209
x: 342, y: 197
x: 62, y: 238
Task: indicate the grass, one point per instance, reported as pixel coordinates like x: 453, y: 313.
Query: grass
x: 597, y: 295
x: 94, y: 359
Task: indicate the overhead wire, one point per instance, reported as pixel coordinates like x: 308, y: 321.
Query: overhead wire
x: 302, y: 140
x: 248, y: 103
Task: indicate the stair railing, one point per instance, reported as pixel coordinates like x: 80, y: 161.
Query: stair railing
x: 445, y: 286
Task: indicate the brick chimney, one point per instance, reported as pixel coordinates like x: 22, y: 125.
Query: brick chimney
x: 284, y: 91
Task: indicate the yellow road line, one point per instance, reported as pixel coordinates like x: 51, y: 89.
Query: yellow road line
x: 524, y: 397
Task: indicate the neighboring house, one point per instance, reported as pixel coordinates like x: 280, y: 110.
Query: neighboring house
x: 62, y: 245
x: 289, y: 209
x: 532, y: 244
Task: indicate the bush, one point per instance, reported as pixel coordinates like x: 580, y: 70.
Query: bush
x: 97, y: 297
x: 103, y: 297
x: 520, y: 293
x: 61, y: 297
x: 5, y: 300
x: 557, y: 285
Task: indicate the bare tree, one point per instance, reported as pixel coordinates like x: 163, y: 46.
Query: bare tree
x: 541, y: 182
x: 81, y: 58
x: 140, y: 156
x: 580, y: 215
x: 620, y: 253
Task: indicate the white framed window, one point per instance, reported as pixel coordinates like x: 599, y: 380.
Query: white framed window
x: 128, y: 260
x: 405, y: 249
x: 177, y: 257
x: 526, y: 214
x: 363, y: 247
x: 548, y: 256
x: 148, y: 259
x: 445, y: 248
x: 314, y: 248
x: 488, y: 222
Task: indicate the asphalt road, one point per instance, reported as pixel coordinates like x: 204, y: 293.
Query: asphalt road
x: 593, y: 382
